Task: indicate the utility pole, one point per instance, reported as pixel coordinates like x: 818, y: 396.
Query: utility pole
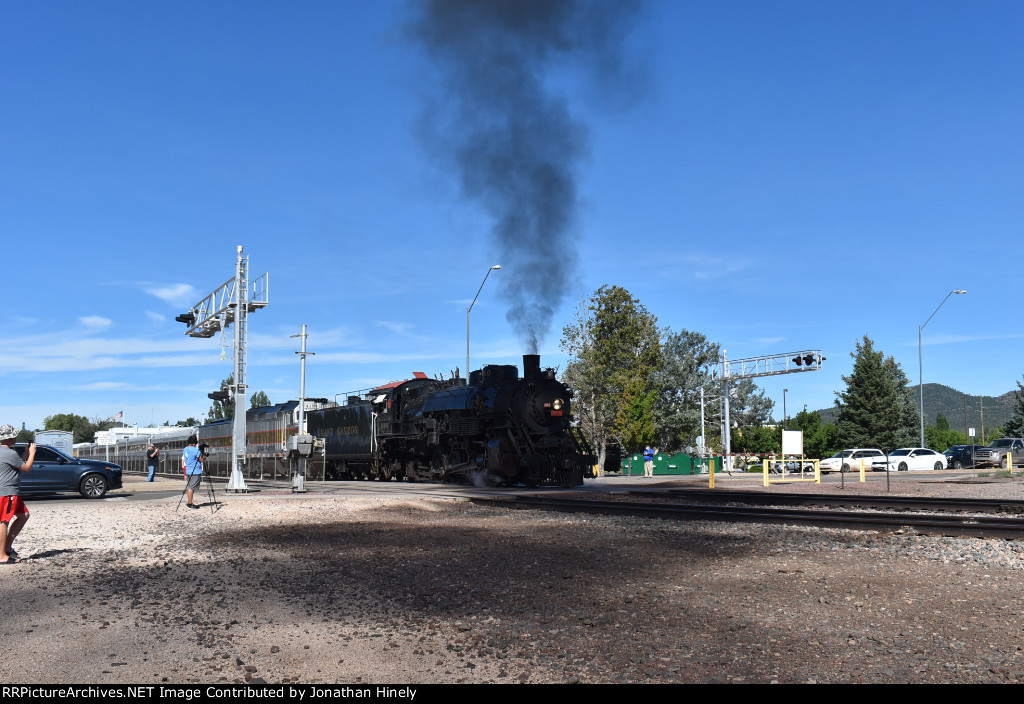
x: 302, y: 443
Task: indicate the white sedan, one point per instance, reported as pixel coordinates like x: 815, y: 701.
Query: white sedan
x: 845, y: 460
x: 907, y: 458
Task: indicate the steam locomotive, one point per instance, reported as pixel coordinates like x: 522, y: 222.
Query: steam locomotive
x: 497, y: 429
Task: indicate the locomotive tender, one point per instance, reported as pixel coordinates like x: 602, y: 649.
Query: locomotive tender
x: 497, y: 429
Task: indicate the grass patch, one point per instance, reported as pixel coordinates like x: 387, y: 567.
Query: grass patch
x: 1000, y: 474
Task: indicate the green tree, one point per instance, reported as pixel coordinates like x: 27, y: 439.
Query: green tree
x: 687, y: 359
x: 757, y: 440
x: 636, y: 416
x: 820, y: 439
x: 748, y: 405
x: 25, y: 435
x: 614, y: 350
x: 1014, y: 427
x: 259, y: 400
x: 940, y: 436
x: 82, y: 429
x: 877, y: 409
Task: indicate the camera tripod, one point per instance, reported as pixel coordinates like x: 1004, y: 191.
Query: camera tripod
x: 209, y: 491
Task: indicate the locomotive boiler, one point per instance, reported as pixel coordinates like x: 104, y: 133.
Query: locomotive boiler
x: 498, y: 429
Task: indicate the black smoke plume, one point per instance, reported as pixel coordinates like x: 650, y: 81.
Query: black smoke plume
x: 507, y: 129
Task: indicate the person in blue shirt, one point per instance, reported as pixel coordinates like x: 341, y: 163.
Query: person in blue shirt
x: 192, y: 466
x: 649, y: 462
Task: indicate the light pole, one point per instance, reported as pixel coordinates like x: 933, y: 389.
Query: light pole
x: 496, y: 266
x: 920, y: 358
x: 785, y: 418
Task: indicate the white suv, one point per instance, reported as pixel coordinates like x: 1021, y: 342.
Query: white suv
x: 845, y: 460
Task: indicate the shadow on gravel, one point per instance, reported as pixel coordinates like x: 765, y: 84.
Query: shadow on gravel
x: 53, y: 553
x: 550, y: 588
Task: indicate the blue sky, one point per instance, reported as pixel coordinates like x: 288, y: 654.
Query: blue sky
x: 784, y: 176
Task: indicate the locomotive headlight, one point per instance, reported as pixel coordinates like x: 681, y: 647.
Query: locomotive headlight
x: 557, y: 405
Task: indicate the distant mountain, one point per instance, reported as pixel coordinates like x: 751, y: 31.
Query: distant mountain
x: 939, y: 398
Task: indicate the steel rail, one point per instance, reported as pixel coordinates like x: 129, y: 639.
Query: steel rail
x: 1011, y: 506
x: 959, y: 526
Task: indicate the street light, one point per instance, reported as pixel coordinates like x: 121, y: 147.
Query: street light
x: 920, y: 358
x: 785, y: 424
x: 496, y: 266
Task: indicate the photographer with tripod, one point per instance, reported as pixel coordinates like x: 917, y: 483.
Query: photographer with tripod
x: 192, y: 460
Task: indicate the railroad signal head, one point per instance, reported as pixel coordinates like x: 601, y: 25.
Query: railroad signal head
x: 798, y: 360
x: 187, y: 318
x: 808, y: 359
x: 221, y: 396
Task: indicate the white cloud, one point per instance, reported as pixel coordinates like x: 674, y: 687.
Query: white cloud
x: 103, y: 386
x: 403, y: 329
x: 175, y: 294
x: 156, y: 317
x: 95, y: 322
x: 706, y: 268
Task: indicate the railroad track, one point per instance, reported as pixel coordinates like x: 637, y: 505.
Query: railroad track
x: 920, y: 522
x: 925, y: 503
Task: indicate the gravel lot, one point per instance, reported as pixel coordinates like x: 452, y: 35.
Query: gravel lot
x: 324, y: 588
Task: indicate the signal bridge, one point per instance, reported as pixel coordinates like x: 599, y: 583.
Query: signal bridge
x: 218, y: 310
x: 751, y: 367
x: 770, y: 365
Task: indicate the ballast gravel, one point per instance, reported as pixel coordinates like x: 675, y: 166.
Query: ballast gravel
x: 340, y: 589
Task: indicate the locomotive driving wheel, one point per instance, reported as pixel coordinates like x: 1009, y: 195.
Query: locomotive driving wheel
x: 440, y: 464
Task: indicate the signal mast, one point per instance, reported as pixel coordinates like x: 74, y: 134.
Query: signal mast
x: 751, y: 367
x: 231, y: 303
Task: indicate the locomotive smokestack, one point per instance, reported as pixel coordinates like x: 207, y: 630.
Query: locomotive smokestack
x: 500, y: 119
x: 531, y: 367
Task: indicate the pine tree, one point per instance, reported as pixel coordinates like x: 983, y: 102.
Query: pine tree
x: 1014, y: 427
x: 877, y: 409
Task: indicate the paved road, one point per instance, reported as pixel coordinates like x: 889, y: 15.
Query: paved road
x: 137, y: 489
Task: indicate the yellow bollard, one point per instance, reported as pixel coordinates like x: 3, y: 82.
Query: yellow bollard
x: 1009, y: 463
x: 765, y: 461
x: 862, y: 477
x: 711, y: 473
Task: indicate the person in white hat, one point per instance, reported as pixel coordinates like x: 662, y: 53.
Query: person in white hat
x: 12, y: 508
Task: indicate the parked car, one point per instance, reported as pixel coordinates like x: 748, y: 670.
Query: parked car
x: 994, y: 454
x: 845, y: 460
x: 54, y: 471
x: 908, y: 458
x: 960, y: 456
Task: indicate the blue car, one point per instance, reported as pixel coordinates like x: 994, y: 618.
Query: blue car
x: 53, y: 471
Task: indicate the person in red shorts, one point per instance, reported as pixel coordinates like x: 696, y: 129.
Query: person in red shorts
x: 12, y: 508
